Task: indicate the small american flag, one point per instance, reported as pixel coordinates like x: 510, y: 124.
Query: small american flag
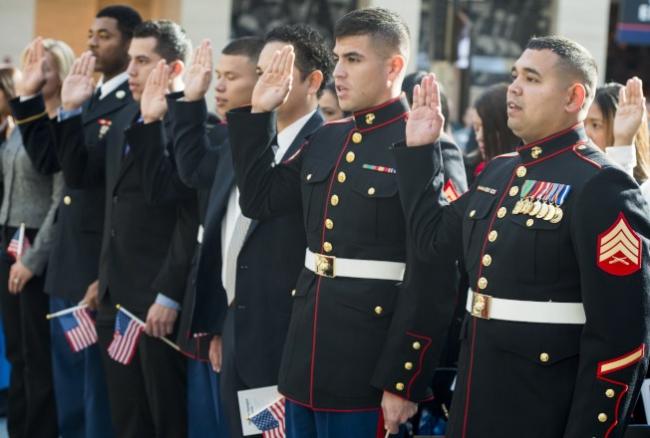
x: 125, y: 338
x: 19, y: 243
x: 79, y: 329
x: 270, y: 420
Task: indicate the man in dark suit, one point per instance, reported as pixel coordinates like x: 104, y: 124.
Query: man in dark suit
x: 72, y: 267
x: 147, y: 236
x: 246, y: 301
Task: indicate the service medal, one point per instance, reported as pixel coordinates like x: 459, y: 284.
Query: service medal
x: 537, y: 205
x: 558, y: 215
x: 542, y: 211
x: 551, y: 212
x: 518, y: 206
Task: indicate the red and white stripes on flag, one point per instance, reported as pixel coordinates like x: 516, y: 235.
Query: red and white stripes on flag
x: 125, y: 339
x: 270, y: 420
x: 79, y: 329
x: 18, y: 244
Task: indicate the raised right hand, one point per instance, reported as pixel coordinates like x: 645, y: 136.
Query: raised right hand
x: 273, y: 87
x: 78, y: 86
x: 425, y: 121
x: 199, y: 75
x: 33, y: 77
x: 630, y: 113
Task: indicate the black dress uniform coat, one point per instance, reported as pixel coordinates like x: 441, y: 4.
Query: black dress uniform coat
x: 145, y: 237
x: 536, y: 379
x: 74, y: 258
x: 348, y: 338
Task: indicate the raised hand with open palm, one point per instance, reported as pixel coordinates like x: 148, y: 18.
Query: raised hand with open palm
x: 630, y: 113
x: 199, y: 75
x: 78, y: 86
x: 33, y: 77
x: 273, y: 87
x: 425, y: 121
x: 153, y: 103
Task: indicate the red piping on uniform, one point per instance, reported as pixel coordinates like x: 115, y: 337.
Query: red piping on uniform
x: 305, y: 405
x: 600, y: 376
x: 550, y: 137
x: 375, y: 108
x: 480, y: 271
x: 554, y: 154
x: 427, y: 340
x: 295, y: 154
x: 380, y: 425
x: 343, y: 120
x: 381, y: 125
x: 313, y: 336
x: 582, y: 157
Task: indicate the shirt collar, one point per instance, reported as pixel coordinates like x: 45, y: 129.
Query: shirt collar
x: 288, y: 135
x: 109, y: 86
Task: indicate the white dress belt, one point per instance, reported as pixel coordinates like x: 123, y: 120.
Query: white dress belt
x: 544, y: 312
x: 329, y: 266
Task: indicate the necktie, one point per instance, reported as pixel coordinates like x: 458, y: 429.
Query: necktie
x: 235, y: 244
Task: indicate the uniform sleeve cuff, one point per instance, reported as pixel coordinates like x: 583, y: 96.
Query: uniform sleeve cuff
x: 65, y: 115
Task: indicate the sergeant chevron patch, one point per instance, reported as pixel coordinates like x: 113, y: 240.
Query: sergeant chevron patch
x: 619, y: 249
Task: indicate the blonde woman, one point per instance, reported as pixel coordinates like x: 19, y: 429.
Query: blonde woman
x: 27, y: 211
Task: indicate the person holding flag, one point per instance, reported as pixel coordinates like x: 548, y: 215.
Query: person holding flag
x: 27, y: 213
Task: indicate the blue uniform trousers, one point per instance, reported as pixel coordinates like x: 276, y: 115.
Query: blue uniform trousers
x: 204, y: 413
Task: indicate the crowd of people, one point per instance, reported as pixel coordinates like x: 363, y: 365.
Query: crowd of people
x: 325, y: 238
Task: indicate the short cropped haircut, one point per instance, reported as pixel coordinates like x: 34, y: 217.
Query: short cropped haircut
x: 574, y: 59
x: 172, y: 43
x: 384, y: 26
x: 127, y: 18
x: 312, y: 53
x: 249, y: 47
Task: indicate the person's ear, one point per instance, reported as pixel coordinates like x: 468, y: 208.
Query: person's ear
x: 176, y: 69
x: 576, y: 98
x: 315, y: 79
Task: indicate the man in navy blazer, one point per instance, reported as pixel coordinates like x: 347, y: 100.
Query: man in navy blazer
x: 248, y: 312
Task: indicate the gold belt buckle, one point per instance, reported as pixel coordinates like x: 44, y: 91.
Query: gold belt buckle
x: 481, y: 305
x: 325, y: 265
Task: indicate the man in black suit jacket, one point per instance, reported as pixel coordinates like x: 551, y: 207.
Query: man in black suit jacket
x: 139, y: 267
x: 251, y: 318
x: 72, y: 267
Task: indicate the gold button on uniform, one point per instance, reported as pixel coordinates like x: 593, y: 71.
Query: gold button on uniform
x: 602, y: 417
x: 327, y: 247
x: 487, y: 260
x: 482, y: 283
x: 329, y: 224
x: 544, y: 357
x: 514, y: 190
x: 349, y: 157
x: 408, y: 366
x: 610, y: 393
x: 341, y: 177
x: 521, y: 171
x: 399, y: 386
x: 379, y: 310
x: 371, y: 191
x: 493, y: 235
x: 309, y: 176
x: 67, y: 200
x: 530, y: 223
x: 472, y: 213
x: 416, y: 345
x: 357, y: 137
x: 334, y: 200
x: 502, y: 212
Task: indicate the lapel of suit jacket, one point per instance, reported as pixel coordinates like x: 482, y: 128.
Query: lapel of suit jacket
x: 314, y: 122
x: 115, y: 152
x: 107, y: 105
x: 224, y: 180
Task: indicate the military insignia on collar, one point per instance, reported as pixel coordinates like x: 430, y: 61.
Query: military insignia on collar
x: 104, y: 126
x: 120, y: 94
x: 381, y: 169
x: 619, y: 249
x: 450, y: 191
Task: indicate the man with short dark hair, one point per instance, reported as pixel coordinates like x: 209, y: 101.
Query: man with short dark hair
x: 554, y: 239
x: 245, y: 303
x: 71, y: 276
x: 149, y: 228
x: 359, y: 339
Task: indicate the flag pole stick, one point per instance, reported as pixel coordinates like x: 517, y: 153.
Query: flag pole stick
x: 65, y: 311
x: 139, y: 321
x: 21, y: 240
